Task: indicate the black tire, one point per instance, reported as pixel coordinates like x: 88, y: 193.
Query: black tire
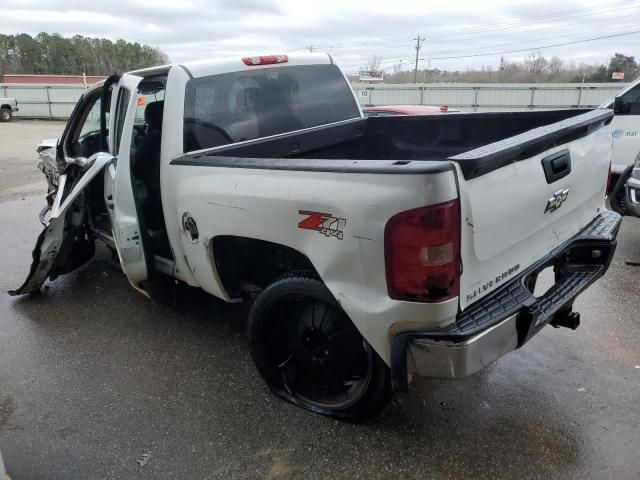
x: 5, y: 114
x: 310, y: 353
x: 618, y: 194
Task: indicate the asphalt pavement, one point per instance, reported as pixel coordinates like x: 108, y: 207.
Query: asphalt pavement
x: 18, y: 141
x: 96, y: 381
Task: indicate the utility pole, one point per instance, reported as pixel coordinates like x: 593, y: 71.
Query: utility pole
x: 310, y: 47
x: 415, y: 70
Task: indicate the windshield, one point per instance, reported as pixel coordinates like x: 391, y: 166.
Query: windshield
x: 239, y: 106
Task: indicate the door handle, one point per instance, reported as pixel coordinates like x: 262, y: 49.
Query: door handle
x: 557, y: 165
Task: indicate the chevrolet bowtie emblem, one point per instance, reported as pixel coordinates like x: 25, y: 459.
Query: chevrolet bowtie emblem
x: 557, y: 200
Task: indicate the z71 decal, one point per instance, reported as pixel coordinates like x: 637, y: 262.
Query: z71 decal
x: 325, y: 223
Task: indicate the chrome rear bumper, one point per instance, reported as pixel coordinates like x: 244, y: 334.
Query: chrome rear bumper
x: 508, y: 317
x: 446, y: 359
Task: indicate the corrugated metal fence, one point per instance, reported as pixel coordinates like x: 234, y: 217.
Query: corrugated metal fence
x: 489, y: 96
x: 57, y: 101
x: 43, y: 101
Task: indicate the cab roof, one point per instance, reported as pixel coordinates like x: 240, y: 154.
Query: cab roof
x: 227, y: 64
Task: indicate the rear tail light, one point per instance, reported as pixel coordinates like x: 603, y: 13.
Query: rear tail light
x: 444, y: 108
x: 422, y: 253
x: 265, y: 60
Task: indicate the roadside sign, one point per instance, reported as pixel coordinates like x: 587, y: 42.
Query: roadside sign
x: 617, y: 76
x: 364, y: 93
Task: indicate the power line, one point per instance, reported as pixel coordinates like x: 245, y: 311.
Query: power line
x: 551, y: 38
x: 539, y: 47
x: 407, y: 60
x: 433, y: 38
x: 473, y: 32
x: 385, y: 41
x: 509, y: 40
x: 440, y: 52
x: 538, y: 19
x: 526, y: 32
x: 435, y: 34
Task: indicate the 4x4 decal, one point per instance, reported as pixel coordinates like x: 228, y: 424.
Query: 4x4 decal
x: 325, y: 223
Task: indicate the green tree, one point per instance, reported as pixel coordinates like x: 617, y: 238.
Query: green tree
x: 625, y: 64
x: 54, y: 54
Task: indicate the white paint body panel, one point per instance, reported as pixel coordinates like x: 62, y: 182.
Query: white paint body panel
x: 265, y: 204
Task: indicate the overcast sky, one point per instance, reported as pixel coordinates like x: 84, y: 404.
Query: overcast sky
x: 351, y: 30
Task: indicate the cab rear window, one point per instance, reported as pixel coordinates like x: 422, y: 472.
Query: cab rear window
x: 239, y: 106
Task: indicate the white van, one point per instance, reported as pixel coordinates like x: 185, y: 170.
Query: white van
x: 625, y: 128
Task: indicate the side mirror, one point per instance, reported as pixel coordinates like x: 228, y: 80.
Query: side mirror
x: 618, y: 105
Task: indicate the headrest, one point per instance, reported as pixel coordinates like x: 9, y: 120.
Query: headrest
x: 153, y: 114
x: 247, y: 99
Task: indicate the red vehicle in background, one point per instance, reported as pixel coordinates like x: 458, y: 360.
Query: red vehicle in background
x: 392, y: 110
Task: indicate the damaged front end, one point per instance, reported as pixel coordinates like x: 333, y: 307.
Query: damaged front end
x: 66, y: 242
x: 49, y: 164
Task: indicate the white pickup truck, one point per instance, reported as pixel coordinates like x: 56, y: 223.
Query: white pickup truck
x: 8, y: 106
x: 370, y: 248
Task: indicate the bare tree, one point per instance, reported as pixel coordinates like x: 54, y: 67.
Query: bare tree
x: 534, y: 68
x: 374, y: 63
x: 536, y: 64
x: 556, y: 65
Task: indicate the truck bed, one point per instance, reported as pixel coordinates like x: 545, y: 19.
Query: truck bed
x: 478, y: 142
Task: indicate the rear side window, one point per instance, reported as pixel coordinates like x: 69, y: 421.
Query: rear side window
x: 238, y: 106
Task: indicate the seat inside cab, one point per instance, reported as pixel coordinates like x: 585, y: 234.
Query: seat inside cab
x: 145, y: 165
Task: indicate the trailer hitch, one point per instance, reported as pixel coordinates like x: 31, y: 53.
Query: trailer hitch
x: 567, y: 319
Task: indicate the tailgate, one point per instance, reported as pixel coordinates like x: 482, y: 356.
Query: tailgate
x: 522, y: 197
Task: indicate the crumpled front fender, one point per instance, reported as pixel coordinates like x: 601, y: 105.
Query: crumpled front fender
x: 64, y: 243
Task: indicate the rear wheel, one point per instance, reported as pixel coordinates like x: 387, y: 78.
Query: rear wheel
x: 310, y: 353
x: 5, y: 115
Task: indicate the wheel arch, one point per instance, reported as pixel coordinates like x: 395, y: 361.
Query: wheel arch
x: 271, y: 359
x: 247, y: 263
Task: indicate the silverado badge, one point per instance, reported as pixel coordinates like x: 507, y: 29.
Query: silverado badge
x: 556, y: 201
